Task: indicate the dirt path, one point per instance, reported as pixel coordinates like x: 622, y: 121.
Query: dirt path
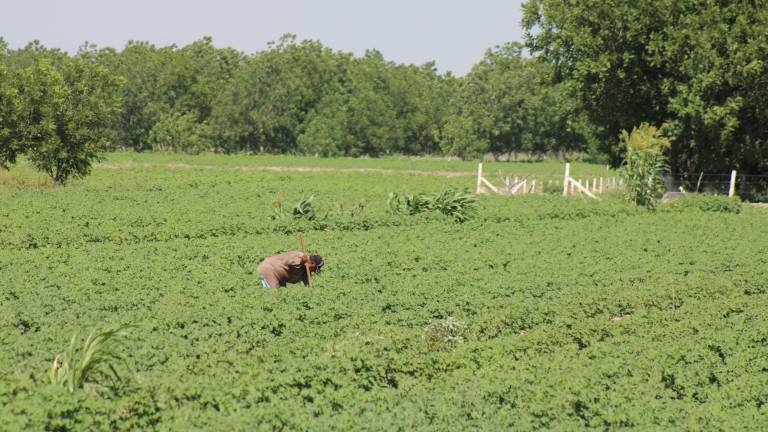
x: 128, y: 165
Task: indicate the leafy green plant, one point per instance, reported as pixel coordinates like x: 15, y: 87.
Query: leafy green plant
x: 408, y: 203
x: 304, y: 208
x: 644, y: 164
x: 95, y: 366
x: 707, y: 203
x: 459, y: 205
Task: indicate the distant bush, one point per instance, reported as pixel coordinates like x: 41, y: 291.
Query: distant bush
x: 459, y: 205
x: 707, y: 203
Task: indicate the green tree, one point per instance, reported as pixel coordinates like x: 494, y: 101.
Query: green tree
x: 508, y: 104
x: 64, y: 116
x: 179, y: 133
x: 269, y: 98
x: 699, y: 66
x: 10, y: 144
x: 380, y: 107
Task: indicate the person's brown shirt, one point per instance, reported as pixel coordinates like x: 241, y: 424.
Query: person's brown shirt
x: 284, y: 268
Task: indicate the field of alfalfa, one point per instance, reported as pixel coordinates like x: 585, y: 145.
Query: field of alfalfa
x: 538, y: 312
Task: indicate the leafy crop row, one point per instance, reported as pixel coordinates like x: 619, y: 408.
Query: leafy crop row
x: 540, y: 312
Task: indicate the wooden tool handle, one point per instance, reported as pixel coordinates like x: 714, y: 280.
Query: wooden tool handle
x: 306, y: 263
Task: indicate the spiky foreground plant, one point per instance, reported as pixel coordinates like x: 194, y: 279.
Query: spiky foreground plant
x: 95, y: 366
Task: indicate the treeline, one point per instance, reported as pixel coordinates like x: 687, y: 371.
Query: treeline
x: 697, y: 69
x: 303, y: 97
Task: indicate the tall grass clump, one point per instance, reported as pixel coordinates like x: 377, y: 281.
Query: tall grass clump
x: 460, y: 205
x: 98, y: 365
x: 644, y: 164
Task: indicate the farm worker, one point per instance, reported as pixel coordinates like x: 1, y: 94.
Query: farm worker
x: 288, y: 267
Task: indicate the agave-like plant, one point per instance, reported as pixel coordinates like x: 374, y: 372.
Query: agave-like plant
x: 460, y: 205
x: 100, y: 359
x: 457, y: 204
x: 304, y: 209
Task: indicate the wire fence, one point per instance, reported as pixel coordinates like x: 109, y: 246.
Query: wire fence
x: 751, y: 187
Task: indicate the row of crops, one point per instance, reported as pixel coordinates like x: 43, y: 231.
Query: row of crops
x: 536, y: 312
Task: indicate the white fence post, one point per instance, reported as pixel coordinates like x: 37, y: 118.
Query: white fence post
x: 565, y: 179
x: 479, y: 178
x: 732, y: 186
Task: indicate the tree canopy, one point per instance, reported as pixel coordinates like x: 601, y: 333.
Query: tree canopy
x: 587, y: 71
x: 701, y: 67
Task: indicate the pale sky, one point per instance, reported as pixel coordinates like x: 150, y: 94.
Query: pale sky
x: 453, y: 33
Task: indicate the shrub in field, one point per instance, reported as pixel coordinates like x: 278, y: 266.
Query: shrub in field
x: 94, y: 367
x: 644, y: 164
x: 708, y: 203
x: 444, y: 335
x: 304, y: 209
x: 457, y: 204
x: 408, y: 203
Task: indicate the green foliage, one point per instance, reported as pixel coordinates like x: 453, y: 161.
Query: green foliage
x: 567, y: 305
x: 380, y: 108
x: 96, y: 366
x: 707, y: 203
x: 304, y: 208
x: 278, y: 210
x: 408, y: 203
x: 700, y: 67
x: 64, y: 116
x: 265, y: 104
x: 644, y: 164
x: 10, y: 145
x: 460, y: 205
x: 171, y: 86
x: 508, y: 104
x: 179, y: 133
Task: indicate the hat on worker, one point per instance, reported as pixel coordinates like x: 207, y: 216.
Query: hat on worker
x: 318, y: 261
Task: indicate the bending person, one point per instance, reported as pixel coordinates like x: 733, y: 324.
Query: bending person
x: 288, y: 267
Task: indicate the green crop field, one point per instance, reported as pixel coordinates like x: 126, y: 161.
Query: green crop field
x: 540, y: 312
